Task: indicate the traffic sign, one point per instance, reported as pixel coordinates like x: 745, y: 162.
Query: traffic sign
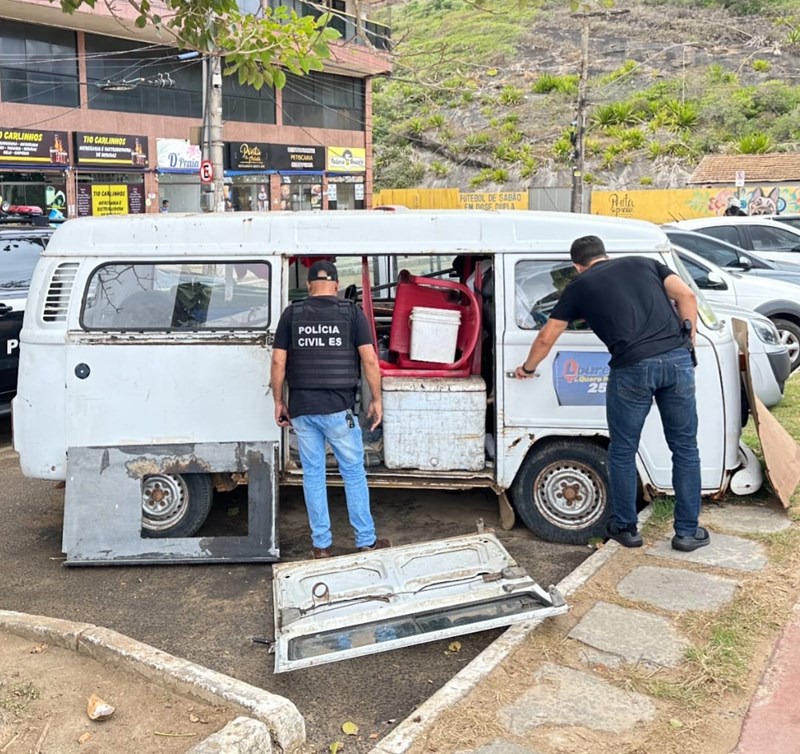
x: 739, y: 178
x: 206, y: 172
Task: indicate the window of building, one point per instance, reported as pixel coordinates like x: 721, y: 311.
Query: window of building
x: 244, y: 103
x: 114, y: 60
x: 178, y: 296
x: 38, y: 65
x: 322, y: 100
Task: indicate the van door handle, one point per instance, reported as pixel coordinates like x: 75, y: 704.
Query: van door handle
x: 513, y: 375
x: 4, y: 309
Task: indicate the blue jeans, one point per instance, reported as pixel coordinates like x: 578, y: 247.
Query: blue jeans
x: 312, y: 431
x: 669, y: 378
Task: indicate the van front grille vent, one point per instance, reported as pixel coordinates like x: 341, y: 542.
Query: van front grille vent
x: 56, y: 303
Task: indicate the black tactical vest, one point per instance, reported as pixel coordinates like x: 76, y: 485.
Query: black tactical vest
x: 323, y: 354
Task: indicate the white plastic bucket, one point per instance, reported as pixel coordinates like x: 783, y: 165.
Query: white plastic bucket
x: 434, y: 333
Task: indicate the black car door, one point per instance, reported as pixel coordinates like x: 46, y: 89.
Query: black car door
x: 18, y: 257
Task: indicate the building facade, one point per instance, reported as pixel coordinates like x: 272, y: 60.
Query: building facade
x: 99, y: 117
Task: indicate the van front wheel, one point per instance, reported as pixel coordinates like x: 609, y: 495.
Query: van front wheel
x: 561, y: 491
x: 175, y: 505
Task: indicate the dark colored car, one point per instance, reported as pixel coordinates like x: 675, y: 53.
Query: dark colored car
x: 20, y: 247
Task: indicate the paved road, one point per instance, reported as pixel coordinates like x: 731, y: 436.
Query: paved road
x: 208, y: 614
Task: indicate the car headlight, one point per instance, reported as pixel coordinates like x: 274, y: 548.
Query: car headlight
x: 766, y: 332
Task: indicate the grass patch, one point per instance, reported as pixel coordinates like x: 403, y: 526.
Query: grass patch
x: 663, y: 508
x: 18, y: 697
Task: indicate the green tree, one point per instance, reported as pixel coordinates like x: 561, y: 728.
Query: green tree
x: 256, y: 48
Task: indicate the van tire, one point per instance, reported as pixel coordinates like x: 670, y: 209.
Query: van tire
x: 580, y: 468
x: 789, y: 333
x: 184, y: 501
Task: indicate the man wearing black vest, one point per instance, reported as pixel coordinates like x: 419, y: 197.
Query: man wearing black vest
x: 628, y: 303
x: 320, y: 345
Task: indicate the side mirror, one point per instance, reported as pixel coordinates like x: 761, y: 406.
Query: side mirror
x: 716, y: 282
x: 745, y: 263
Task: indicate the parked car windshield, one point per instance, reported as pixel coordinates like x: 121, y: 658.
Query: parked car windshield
x: 793, y: 222
x: 18, y: 258
x: 703, y: 307
x: 718, y: 252
x: 767, y: 238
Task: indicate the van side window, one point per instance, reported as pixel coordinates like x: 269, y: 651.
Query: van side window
x: 538, y: 285
x: 178, y: 296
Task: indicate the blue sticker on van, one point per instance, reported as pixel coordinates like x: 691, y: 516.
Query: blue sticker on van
x: 581, y: 378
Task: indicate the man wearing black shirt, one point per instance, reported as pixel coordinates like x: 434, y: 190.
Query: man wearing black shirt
x: 320, y: 345
x: 628, y: 303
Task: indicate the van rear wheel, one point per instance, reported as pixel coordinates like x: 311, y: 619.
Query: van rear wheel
x: 175, y: 505
x: 561, y: 491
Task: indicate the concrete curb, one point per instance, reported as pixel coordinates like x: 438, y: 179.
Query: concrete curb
x: 285, y: 723
x: 406, y: 733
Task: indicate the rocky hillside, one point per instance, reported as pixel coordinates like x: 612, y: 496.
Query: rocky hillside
x: 484, y: 91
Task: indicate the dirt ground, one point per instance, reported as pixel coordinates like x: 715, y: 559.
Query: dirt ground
x: 43, y: 700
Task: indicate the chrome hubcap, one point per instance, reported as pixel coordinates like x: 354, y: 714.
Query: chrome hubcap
x: 791, y: 342
x: 569, y: 495
x: 164, y: 501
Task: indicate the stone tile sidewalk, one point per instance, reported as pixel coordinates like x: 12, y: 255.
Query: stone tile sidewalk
x: 575, y: 684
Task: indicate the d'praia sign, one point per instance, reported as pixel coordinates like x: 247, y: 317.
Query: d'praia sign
x: 493, y: 200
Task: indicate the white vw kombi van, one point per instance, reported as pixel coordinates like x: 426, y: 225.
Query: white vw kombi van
x: 147, y: 341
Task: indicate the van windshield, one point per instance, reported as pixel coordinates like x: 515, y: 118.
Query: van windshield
x: 704, y: 309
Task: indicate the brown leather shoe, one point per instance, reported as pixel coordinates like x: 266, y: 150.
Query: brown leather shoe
x: 321, y: 552
x: 379, y: 544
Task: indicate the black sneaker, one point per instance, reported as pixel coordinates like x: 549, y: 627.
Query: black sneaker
x: 688, y: 544
x: 626, y: 537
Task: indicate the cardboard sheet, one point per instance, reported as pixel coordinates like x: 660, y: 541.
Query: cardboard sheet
x: 781, y: 452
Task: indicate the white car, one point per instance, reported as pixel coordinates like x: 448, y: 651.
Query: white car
x: 776, y: 299
x: 776, y: 241
x: 769, y: 358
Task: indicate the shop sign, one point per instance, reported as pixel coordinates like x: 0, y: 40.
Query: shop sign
x: 249, y: 155
x: 23, y: 146
x: 111, y: 149
x: 99, y: 199
x: 493, y: 200
x: 332, y: 192
x: 177, y: 154
x: 359, y: 192
x: 347, y: 160
x: 286, y: 157
x: 345, y: 179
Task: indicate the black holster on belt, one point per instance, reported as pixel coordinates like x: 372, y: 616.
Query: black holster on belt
x: 686, y: 329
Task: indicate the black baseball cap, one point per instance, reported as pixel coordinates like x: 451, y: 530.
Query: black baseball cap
x: 322, y: 270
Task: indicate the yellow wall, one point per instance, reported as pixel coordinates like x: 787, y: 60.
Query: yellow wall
x: 666, y: 205
x: 451, y: 198
x: 446, y: 198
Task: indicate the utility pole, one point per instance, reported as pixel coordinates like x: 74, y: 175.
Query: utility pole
x: 576, y: 203
x: 579, y: 124
x: 215, y: 129
x: 212, y: 145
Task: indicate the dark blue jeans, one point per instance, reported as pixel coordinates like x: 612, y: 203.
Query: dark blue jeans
x: 669, y: 379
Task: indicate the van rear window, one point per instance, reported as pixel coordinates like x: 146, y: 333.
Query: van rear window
x: 178, y: 296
